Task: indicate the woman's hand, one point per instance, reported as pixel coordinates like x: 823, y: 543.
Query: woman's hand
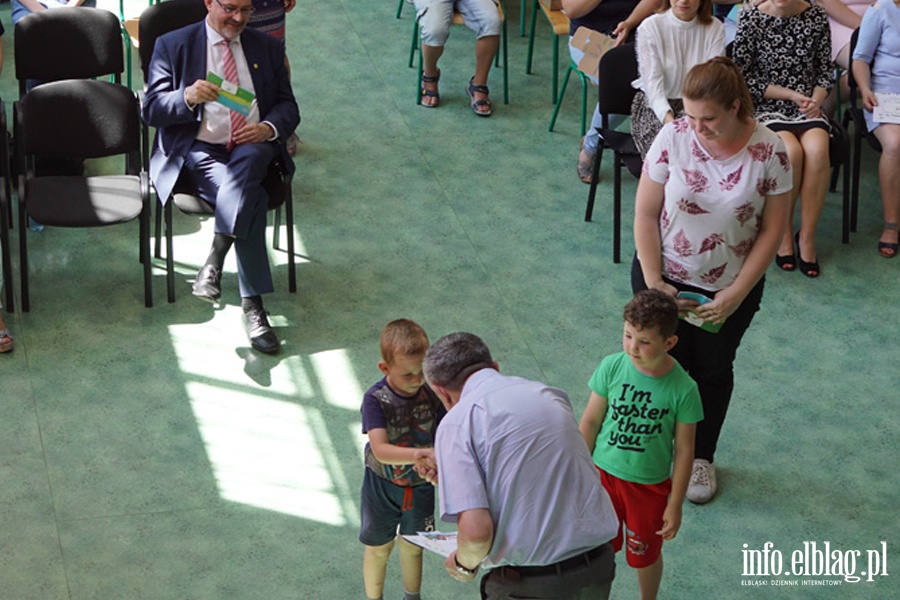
x: 723, y: 306
x: 809, y: 107
x: 621, y: 33
x: 869, y: 101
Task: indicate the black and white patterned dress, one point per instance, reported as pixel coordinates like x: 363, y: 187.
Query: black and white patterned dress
x: 792, y: 52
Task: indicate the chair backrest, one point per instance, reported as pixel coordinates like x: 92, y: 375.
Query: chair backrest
x: 162, y: 18
x: 618, y: 68
x: 76, y: 43
x: 851, y: 80
x: 79, y: 118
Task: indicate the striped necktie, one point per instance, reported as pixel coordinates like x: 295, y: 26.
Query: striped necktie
x: 230, y: 73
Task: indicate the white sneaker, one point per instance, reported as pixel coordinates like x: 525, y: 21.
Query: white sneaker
x: 702, y: 486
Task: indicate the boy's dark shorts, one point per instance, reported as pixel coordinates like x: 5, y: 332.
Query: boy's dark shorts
x: 381, y: 509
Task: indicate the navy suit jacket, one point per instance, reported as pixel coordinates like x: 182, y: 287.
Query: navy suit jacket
x: 179, y: 59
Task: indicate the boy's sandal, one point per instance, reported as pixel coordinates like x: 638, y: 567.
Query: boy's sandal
x: 889, y: 249
x: 6, y: 341
x: 431, y: 93
x: 473, y: 89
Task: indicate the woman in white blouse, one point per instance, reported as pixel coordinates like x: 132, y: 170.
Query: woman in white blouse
x: 669, y: 44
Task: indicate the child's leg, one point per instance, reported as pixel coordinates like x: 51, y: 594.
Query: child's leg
x: 644, y: 505
x: 410, y: 565
x: 375, y: 561
x: 649, y: 578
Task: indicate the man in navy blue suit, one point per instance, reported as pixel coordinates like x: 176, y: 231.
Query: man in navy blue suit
x: 223, y: 154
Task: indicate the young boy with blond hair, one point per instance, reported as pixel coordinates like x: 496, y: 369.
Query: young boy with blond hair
x: 400, y: 414
x: 639, y: 425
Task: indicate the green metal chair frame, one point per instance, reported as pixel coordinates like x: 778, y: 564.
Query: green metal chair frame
x: 560, y: 24
x: 573, y: 68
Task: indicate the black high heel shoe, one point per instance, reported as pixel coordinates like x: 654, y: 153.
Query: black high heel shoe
x: 786, y: 263
x: 810, y: 269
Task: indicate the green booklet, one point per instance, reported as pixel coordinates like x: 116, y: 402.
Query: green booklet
x: 236, y: 98
x: 692, y: 318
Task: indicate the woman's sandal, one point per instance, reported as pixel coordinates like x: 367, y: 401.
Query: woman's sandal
x: 889, y: 249
x: 585, y: 168
x: 430, y: 93
x: 788, y: 262
x: 6, y: 341
x: 810, y: 269
x: 471, y: 90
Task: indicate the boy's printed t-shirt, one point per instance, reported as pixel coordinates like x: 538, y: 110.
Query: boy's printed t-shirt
x: 635, y: 442
x: 410, y: 421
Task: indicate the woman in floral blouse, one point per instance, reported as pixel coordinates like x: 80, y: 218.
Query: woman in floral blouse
x: 783, y: 48
x: 710, y: 210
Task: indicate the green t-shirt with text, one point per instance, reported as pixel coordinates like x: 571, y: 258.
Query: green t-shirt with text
x: 636, y: 439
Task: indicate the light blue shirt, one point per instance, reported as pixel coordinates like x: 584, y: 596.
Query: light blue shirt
x: 512, y: 446
x: 879, y: 45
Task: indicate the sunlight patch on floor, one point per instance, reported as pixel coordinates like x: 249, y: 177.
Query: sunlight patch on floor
x: 271, y: 454
x: 339, y: 383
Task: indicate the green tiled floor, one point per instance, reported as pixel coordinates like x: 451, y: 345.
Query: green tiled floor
x: 150, y: 454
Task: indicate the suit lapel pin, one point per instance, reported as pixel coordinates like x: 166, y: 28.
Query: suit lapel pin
x: 255, y: 66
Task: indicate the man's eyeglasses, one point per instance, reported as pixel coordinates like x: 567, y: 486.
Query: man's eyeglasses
x: 230, y: 9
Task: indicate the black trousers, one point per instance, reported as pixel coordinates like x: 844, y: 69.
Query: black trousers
x: 709, y: 359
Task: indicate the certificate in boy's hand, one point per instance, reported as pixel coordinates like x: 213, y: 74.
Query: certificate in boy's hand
x: 230, y: 95
x: 439, y: 542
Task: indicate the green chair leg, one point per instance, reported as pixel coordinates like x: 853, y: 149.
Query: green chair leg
x: 584, y: 90
x: 421, y: 67
x: 559, y: 99
x: 127, y: 41
x: 505, y: 64
x: 555, y: 69
x: 534, y: 9
x: 400, y: 8
x: 413, y: 43
x: 562, y: 92
x: 522, y: 14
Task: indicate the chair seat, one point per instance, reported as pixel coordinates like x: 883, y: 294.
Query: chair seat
x: 558, y: 20
x: 192, y: 205
x: 85, y: 201
x: 622, y: 143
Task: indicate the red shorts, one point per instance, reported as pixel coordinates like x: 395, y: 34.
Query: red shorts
x: 640, y: 507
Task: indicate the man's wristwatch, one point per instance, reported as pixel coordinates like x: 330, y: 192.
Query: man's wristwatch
x: 464, y: 570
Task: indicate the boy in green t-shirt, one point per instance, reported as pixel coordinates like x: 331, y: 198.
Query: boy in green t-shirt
x: 639, y: 425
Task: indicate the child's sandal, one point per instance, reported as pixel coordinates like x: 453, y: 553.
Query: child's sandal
x: 471, y: 90
x: 430, y: 93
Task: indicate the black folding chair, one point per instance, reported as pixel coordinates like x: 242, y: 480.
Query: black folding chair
x: 155, y: 21
x: 76, y: 43
x: 81, y: 119
x: 618, y: 68
x: 861, y: 132
x: 5, y: 212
